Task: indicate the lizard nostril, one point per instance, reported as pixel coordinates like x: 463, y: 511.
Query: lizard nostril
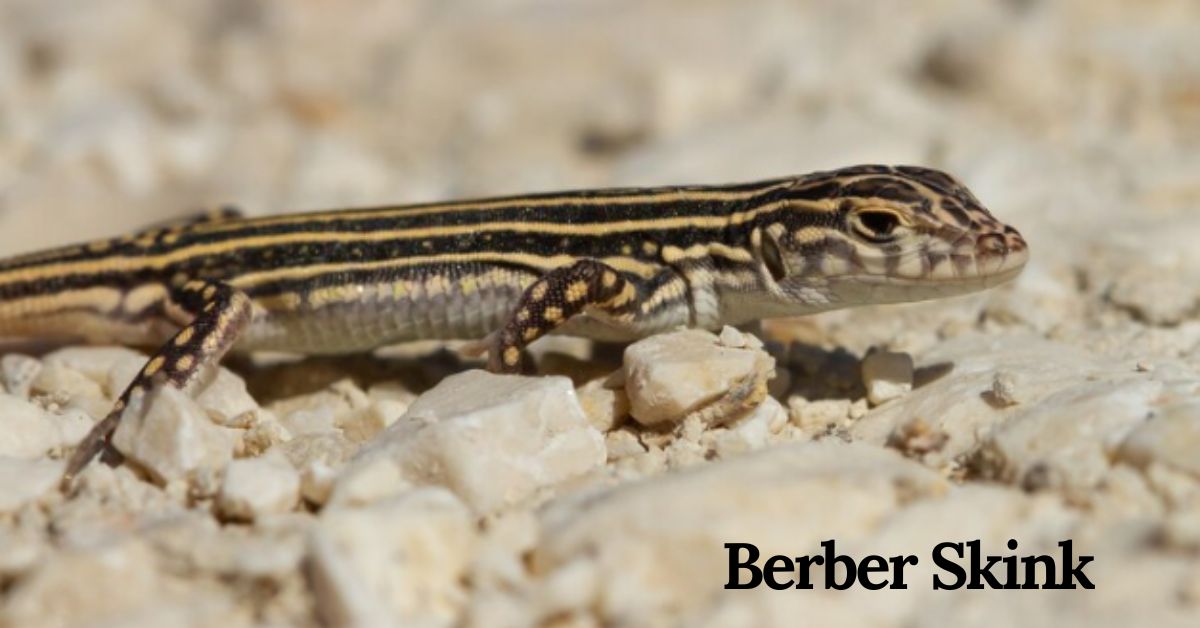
x: 991, y: 244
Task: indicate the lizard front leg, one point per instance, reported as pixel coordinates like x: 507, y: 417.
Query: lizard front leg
x: 552, y: 300
x: 219, y: 313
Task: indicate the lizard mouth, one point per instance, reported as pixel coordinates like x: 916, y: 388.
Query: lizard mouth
x: 970, y: 265
x: 990, y: 258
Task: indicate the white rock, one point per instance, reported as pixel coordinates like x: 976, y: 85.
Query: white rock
x: 225, y: 394
x: 732, y: 338
x: 396, y: 562
x: 815, y: 417
x: 65, y: 387
x: 261, y: 432
x: 195, y: 541
x: 887, y: 375
x: 26, y: 431
x: 18, y: 372
x: 1005, y: 389
x: 649, y: 558
x: 669, y: 376
x: 316, y: 482
x: 80, y: 587
x: 623, y: 444
x: 321, y: 411
x: 72, y: 425
x: 329, y: 448
x: 1064, y: 422
x: 254, y: 487
x: 391, y: 391
x: 24, y: 481
x: 337, y: 587
x: 1172, y: 438
x: 492, y: 439
x: 21, y: 550
x: 606, y: 406
x: 389, y: 401
x: 752, y: 431
x: 310, y: 421
x: 113, y: 367
x: 170, y: 436
x: 1066, y: 440
x: 363, y: 425
x: 1155, y: 294
x: 369, y: 480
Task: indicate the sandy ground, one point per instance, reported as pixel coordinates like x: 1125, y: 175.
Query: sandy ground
x: 1070, y: 411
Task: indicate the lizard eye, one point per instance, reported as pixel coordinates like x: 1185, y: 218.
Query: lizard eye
x: 773, y: 259
x: 875, y: 225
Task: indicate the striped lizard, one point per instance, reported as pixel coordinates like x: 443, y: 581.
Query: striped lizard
x: 612, y: 265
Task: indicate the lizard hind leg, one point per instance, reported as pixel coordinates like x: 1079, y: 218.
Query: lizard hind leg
x: 220, y: 313
x: 552, y: 300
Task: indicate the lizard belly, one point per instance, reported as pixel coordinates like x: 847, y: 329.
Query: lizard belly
x: 367, y: 317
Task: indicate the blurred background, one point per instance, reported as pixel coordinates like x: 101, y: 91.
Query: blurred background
x: 1071, y: 118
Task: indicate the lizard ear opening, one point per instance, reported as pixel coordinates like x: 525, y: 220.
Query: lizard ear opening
x: 772, y: 258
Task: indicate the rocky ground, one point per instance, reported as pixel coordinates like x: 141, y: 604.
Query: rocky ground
x: 389, y: 490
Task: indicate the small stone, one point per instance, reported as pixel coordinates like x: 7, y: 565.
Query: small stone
x: 25, y: 481
x: 917, y: 438
x: 329, y: 448
x: 573, y: 587
x: 316, y: 482
x: 781, y: 385
x: 685, y: 453
x: 18, y: 372
x: 102, y: 365
x: 254, y: 487
x: 492, y: 439
x: 262, y: 433
x: 321, y: 411
x: 814, y: 417
x: 363, y: 425
x: 315, y: 420
x: 348, y: 390
x: 391, y: 391
x: 732, y: 338
x: 653, y: 462
x: 170, y: 436
x: 669, y: 376
x: 752, y: 431
x: 1004, y: 389
x: 204, y: 483
x: 73, y: 425
x: 389, y: 401
x: 401, y: 561
x: 622, y: 444
x: 368, y: 481
x: 226, y: 396
x: 62, y: 386
x: 605, y: 406
x: 887, y: 375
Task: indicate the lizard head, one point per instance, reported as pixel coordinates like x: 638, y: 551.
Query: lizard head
x: 881, y: 234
